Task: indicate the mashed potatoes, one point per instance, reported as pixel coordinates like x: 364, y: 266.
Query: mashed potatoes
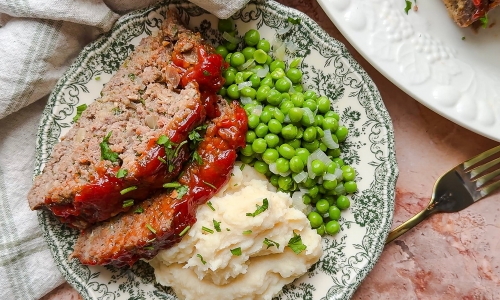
x: 207, y: 265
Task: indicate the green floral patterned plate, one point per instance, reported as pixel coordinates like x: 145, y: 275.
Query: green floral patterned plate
x: 328, y: 68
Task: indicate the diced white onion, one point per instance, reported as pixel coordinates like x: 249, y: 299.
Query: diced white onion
x: 245, y: 100
x: 257, y: 110
x: 263, y: 72
x: 309, y: 114
x: 172, y: 76
x: 244, y: 84
x: 328, y: 140
x: 319, y: 180
x: 298, y: 203
x: 329, y: 177
x: 284, y: 30
x: 80, y: 135
x: 309, y: 167
x: 340, y: 189
x: 320, y: 155
x: 287, y: 119
x: 277, y: 43
x: 291, y: 47
x: 274, y: 170
x: 300, y: 177
x: 290, y: 90
x: 246, y: 65
x: 230, y: 38
x: 338, y: 174
x: 151, y: 121
x: 280, y: 52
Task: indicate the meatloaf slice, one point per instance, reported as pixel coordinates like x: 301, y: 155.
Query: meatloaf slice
x: 112, y: 156
x: 466, y: 12
x: 160, y: 221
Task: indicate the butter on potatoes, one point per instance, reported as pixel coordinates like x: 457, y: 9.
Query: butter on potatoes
x: 202, y: 265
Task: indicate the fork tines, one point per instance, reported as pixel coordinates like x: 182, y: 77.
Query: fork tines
x: 484, y: 170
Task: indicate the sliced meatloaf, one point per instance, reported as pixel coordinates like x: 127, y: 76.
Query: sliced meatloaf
x: 131, y: 140
x: 160, y: 221
x: 466, y: 12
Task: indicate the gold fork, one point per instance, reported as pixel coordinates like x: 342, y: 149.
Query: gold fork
x: 458, y: 188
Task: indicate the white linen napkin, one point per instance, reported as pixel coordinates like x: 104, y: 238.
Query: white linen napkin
x: 38, y: 41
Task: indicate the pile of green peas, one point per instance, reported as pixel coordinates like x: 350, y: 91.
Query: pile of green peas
x: 280, y: 132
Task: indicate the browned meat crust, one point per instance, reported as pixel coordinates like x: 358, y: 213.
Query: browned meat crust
x: 466, y: 12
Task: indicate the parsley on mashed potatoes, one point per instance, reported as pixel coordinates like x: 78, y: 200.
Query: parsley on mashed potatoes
x: 241, y: 248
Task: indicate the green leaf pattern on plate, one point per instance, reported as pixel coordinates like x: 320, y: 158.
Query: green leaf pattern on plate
x: 328, y: 69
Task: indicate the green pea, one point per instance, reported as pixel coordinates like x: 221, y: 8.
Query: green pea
x: 295, y: 114
x: 267, y: 81
x: 274, y: 126
x: 306, y: 121
x: 321, y: 230
x: 247, y: 151
x: 310, y: 94
x: 309, y: 183
x: 294, y: 74
x: 250, y: 136
x: 266, y: 116
x: 274, y: 180
x: 333, y: 152
x: 339, y: 162
x: 315, y: 219
x: 296, y: 164
x: 330, y: 123
x: 309, y: 134
x: 221, y: 50
x: 279, y: 115
x: 272, y: 140
x: 276, y: 64
x: 261, y: 130
x: 237, y: 59
x: 285, y: 183
x: 322, y: 206
x: 297, y: 99
x: 225, y: 25
x: 255, y: 80
x: 286, y: 106
x: 330, y: 184
x: 295, y: 143
x: 343, y: 202
x: 348, y: 176
x: 322, y: 190
x: 259, y: 145
x: 312, y: 146
x: 228, y: 56
x: 306, y: 199
x: 323, y: 146
x: 320, y: 132
x: 282, y: 165
x: 286, y: 151
x: 313, y: 191
x: 303, y: 153
x: 323, y: 104
x: 298, y: 88
x: 332, y: 227
x: 274, y: 97
x: 318, y: 167
x: 238, y: 78
x: 248, y: 92
x: 311, y: 104
x: 252, y: 37
x: 260, y: 56
x: 261, y: 167
x: 247, y: 74
x: 285, y: 96
x: 264, y: 45
x: 253, y: 121
x: 334, y: 212
x: 331, y: 167
x: 230, y: 77
x: 270, y: 155
x: 300, y: 133
x: 248, y: 52
x: 247, y: 159
x: 289, y: 131
x: 341, y: 133
x: 233, y: 92
x: 278, y: 74
x: 262, y: 93
x: 332, y: 114
x: 350, y: 186
x: 318, y: 120
x: 269, y: 60
x: 282, y: 85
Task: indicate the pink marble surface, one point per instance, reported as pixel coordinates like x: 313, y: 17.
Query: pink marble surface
x: 448, y: 256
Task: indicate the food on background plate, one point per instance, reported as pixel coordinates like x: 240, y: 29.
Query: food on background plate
x: 161, y: 221
x: 466, y: 12
x: 248, y: 242
x: 134, y: 138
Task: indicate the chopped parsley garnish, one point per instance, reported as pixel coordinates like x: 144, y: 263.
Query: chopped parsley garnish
x: 121, y: 173
x: 210, y: 185
x: 128, y: 203
x: 484, y: 21
x: 174, y: 184
x: 236, y: 251
x: 79, y: 110
x: 162, y: 159
x: 197, y: 158
x: 106, y: 152
x: 247, y: 232
x: 270, y: 243
x: 129, y: 189
x: 150, y: 248
x: 242, y: 167
x: 209, y: 204
x: 206, y: 73
x: 260, y: 209
x: 151, y: 228
x: 181, y: 191
x: 162, y: 140
x: 186, y: 229
x: 207, y: 229
x: 151, y: 240
x: 140, y: 210
x: 294, y: 21
x: 463, y: 38
x: 232, y: 174
x: 408, y: 6
x: 296, y: 244
x: 216, y: 225
x: 179, y: 148
x: 227, y: 229
x: 98, y: 78
x: 131, y: 76
x: 201, y: 258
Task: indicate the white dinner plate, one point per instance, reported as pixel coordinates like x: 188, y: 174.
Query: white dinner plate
x: 453, y: 71
x: 328, y: 68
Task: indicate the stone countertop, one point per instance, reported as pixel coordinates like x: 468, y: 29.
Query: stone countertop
x: 448, y: 256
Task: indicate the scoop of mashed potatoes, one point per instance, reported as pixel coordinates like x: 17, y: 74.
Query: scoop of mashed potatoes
x: 228, y: 254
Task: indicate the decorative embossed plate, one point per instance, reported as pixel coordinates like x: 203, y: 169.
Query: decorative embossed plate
x: 328, y: 68
x: 453, y: 71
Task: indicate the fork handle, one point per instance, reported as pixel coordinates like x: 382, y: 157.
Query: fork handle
x: 401, y: 229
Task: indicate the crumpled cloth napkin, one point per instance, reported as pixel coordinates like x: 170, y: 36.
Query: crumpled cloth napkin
x: 39, y: 39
